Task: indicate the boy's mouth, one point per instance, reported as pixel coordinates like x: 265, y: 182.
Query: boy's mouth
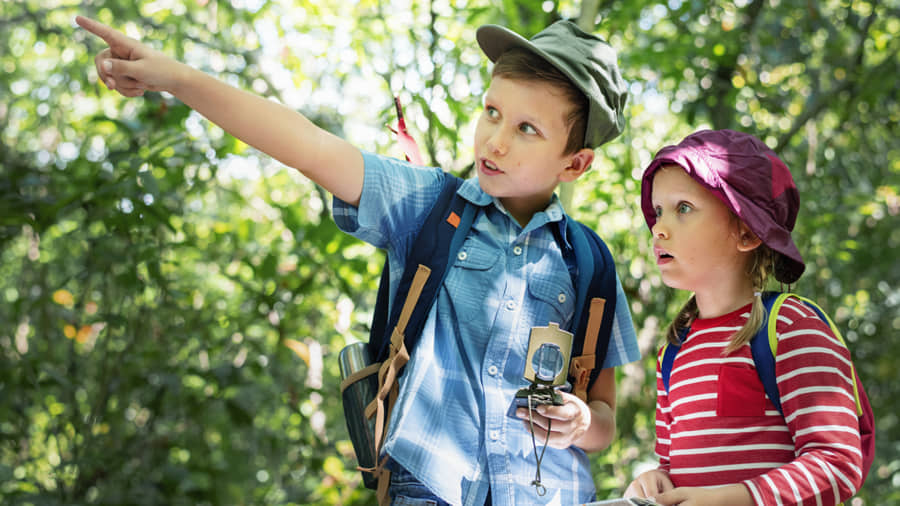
x: 489, y: 168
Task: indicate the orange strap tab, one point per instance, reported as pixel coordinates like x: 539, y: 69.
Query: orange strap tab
x: 453, y: 219
x: 582, y: 366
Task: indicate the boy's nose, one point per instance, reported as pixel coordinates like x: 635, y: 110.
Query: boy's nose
x: 497, y: 142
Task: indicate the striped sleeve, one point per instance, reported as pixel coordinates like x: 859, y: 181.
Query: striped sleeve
x: 815, y: 381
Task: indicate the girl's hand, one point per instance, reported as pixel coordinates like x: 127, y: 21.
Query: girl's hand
x: 733, y: 495
x: 568, y: 422
x: 128, y: 66
x: 650, y: 484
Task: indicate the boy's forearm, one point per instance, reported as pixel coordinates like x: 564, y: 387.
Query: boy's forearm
x: 280, y: 132
x: 602, y: 429
x: 601, y: 403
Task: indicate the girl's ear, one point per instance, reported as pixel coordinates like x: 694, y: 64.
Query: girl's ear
x: 747, y: 240
x: 580, y: 162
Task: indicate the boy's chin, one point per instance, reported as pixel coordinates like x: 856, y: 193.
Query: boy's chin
x: 488, y: 187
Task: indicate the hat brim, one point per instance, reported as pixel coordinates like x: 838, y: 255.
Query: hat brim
x: 495, y: 40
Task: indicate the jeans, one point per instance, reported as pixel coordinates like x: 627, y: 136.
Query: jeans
x: 405, y: 490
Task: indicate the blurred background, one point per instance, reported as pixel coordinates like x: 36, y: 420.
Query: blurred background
x: 172, y: 302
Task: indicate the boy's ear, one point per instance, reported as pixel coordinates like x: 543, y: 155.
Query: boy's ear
x: 580, y: 162
x: 747, y: 240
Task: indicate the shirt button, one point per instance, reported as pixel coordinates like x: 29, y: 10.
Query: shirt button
x: 517, y: 250
x: 561, y: 298
x: 492, y: 370
x: 462, y: 255
x: 511, y: 305
x: 495, y: 435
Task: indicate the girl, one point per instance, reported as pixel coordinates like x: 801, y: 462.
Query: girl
x: 721, y: 206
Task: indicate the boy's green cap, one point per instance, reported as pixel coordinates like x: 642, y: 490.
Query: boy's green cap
x: 584, y: 58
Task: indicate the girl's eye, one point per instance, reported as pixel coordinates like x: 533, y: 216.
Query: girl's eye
x: 657, y: 211
x: 684, y: 208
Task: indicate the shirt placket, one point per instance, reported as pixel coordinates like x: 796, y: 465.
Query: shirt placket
x: 508, y: 319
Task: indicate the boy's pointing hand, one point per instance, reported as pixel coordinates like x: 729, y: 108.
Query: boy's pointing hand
x: 128, y: 66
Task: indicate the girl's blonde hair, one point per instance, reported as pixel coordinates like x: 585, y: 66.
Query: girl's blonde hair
x: 761, y: 267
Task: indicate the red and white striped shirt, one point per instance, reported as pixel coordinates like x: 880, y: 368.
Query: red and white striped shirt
x: 716, y: 426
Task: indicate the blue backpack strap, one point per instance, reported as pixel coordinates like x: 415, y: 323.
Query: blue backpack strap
x: 439, y: 238
x: 594, y: 278
x: 763, y: 346
x: 665, y: 367
x: 668, y: 359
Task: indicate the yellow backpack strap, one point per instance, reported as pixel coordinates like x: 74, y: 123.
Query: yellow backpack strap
x: 773, y: 337
x: 771, y: 329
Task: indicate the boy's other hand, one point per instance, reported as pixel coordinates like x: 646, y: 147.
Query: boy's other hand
x: 127, y: 66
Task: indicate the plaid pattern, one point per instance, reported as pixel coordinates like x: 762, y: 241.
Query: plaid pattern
x: 450, y: 427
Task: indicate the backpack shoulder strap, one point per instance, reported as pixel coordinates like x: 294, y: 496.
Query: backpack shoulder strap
x: 438, y: 239
x: 668, y: 358
x: 595, y: 288
x: 764, y: 345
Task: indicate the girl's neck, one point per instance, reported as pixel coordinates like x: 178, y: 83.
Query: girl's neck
x: 724, y: 299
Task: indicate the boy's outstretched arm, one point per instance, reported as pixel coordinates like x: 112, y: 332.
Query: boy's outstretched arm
x: 131, y: 68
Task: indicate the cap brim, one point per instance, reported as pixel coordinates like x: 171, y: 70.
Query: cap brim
x: 495, y: 39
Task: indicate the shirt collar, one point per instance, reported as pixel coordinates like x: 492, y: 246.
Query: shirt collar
x: 554, y: 213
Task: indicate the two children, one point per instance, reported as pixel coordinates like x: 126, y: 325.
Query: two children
x: 551, y: 101
x: 721, y: 206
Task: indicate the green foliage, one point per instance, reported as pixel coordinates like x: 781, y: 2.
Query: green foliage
x: 173, y: 302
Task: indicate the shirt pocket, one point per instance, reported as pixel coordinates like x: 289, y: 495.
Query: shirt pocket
x: 476, y: 255
x: 740, y: 392
x: 472, y: 280
x: 556, y: 299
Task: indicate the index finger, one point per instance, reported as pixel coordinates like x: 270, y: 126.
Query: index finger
x: 106, y: 33
x: 565, y: 411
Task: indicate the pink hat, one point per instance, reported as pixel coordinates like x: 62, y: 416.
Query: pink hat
x: 749, y: 178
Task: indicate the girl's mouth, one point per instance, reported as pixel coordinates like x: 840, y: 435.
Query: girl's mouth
x: 662, y: 257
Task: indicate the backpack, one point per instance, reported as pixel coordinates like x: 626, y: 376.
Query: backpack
x: 369, y: 392
x: 763, y: 346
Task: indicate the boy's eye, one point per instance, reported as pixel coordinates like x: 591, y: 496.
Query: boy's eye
x: 492, y: 112
x: 525, y: 128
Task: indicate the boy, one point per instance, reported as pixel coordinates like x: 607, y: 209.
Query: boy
x: 551, y: 101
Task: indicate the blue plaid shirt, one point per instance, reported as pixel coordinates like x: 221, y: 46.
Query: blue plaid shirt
x: 450, y: 427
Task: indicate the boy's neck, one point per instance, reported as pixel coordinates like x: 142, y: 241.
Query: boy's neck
x: 520, y: 213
